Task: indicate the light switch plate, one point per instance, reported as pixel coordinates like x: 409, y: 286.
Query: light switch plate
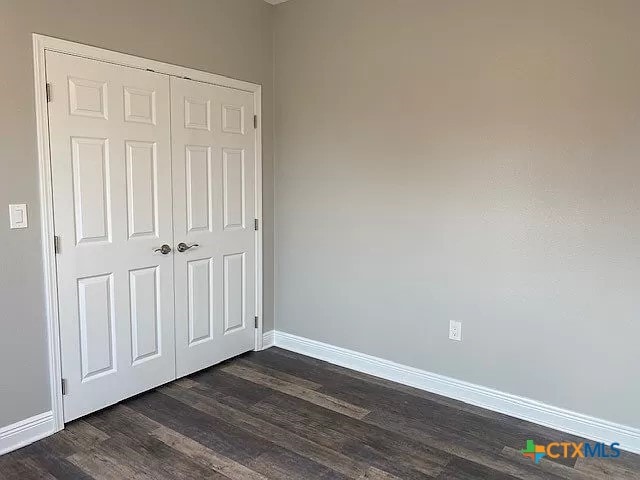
x: 18, y: 216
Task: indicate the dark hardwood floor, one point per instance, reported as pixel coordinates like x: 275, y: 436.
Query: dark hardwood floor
x: 276, y: 414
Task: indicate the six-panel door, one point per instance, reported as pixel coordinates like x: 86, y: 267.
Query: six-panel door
x: 214, y: 175
x: 111, y: 167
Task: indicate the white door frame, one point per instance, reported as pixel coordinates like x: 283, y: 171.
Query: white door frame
x: 42, y: 44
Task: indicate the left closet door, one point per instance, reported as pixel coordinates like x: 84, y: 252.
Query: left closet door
x: 110, y: 137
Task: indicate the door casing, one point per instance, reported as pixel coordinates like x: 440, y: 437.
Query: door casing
x: 42, y: 44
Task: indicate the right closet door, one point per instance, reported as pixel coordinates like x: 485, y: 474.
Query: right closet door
x: 214, y: 176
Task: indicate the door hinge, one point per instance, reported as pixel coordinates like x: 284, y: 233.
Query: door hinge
x: 64, y: 386
x: 256, y: 321
x: 255, y: 224
x: 255, y: 121
x: 48, y: 90
x: 56, y: 244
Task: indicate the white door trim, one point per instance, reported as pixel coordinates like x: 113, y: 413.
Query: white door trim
x: 41, y: 44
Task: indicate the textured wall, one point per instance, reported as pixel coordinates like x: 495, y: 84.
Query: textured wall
x: 465, y: 160
x: 229, y: 37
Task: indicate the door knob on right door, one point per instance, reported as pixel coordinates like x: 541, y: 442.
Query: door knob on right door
x: 183, y: 247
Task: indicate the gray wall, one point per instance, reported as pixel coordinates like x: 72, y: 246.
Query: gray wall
x: 229, y: 37
x: 466, y: 160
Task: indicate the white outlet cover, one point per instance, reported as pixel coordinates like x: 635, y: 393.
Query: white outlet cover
x: 18, y: 216
x: 455, y: 330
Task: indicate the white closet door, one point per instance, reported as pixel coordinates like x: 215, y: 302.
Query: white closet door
x: 214, y: 176
x: 111, y: 164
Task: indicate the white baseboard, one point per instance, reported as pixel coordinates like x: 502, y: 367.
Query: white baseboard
x: 520, y: 407
x: 26, y: 431
x: 268, y: 339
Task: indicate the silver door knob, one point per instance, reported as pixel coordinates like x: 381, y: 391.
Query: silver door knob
x: 183, y: 247
x: 164, y: 249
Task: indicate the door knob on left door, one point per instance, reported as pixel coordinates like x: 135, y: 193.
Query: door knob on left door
x: 164, y: 249
x: 183, y: 247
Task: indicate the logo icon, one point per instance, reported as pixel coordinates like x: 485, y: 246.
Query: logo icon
x: 555, y: 450
x: 533, y: 451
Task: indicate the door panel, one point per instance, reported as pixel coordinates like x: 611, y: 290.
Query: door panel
x: 90, y: 160
x: 214, y: 175
x: 111, y: 170
x: 233, y: 183
x: 145, y: 321
x: 200, y: 290
x: 97, y: 339
x: 199, y: 188
x: 234, y: 284
x: 142, y: 188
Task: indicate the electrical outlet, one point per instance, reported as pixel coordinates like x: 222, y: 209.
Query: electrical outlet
x: 455, y: 330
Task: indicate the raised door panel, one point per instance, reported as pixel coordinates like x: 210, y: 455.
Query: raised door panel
x: 90, y: 158
x: 234, y: 284
x: 233, y: 119
x: 97, y: 329
x: 233, y: 183
x: 139, y: 105
x: 142, y: 189
x: 145, y: 314
x: 200, y: 300
x: 197, y: 113
x: 88, y: 98
x: 198, y: 188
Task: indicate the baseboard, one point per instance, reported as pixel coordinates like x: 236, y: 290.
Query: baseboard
x: 25, y: 432
x: 268, y: 339
x: 520, y: 407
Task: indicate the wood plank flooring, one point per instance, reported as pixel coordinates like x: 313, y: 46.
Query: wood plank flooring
x: 276, y: 414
